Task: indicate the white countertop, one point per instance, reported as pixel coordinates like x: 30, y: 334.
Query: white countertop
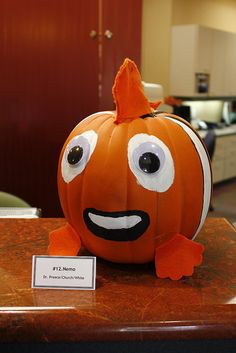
x: 228, y: 130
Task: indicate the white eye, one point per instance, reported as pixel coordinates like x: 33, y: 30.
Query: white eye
x: 77, y: 154
x: 151, y: 162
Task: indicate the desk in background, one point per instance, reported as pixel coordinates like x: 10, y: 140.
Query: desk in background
x: 131, y: 310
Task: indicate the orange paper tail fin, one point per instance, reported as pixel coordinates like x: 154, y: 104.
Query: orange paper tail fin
x: 128, y: 93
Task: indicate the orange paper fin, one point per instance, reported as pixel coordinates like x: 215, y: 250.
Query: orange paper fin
x: 64, y: 241
x: 177, y: 257
x: 156, y: 104
x: 128, y: 93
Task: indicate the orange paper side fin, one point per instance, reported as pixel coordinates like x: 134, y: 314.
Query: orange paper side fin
x: 177, y: 257
x: 64, y: 241
x: 129, y: 97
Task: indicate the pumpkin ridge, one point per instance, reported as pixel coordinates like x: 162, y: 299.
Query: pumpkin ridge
x: 90, y: 119
x: 135, y: 127
x: 157, y: 195
x: 127, y: 187
x: 66, y: 210
x: 195, y: 145
x: 83, y: 195
x: 164, y: 129
x: 180, y: 180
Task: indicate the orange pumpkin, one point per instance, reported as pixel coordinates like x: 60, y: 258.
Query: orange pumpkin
x: 134, y: 184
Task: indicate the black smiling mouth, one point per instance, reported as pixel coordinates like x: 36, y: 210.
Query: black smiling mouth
x: 116, y: 226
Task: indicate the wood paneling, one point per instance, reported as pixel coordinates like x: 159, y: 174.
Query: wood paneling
x: 49, y: 76
x: 48, y: 82
x: 123, y: 19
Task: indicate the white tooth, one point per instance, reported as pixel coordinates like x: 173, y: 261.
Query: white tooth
x: 124, y: 222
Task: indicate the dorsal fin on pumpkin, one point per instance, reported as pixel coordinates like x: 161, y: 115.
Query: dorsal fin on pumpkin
x: 128, y: 93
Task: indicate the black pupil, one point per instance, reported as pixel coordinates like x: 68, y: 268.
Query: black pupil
x: 75, y: 154
x: 149, y: 162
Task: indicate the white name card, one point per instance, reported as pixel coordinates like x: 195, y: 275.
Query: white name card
x: 64, y: 272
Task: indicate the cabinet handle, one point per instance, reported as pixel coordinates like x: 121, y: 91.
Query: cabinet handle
x: 93, y: 34
x: 108, y: 34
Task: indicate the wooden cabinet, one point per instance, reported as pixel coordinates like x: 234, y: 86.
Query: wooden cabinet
x: 229, y: 70
x: 218, y: 162
x: 218, y: 59
x: 230, y: 157
x: 224, y: 159
x: 182, y: 60
x: 201, y: 50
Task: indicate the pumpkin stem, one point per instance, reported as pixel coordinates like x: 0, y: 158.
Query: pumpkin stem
x: 131, y: 103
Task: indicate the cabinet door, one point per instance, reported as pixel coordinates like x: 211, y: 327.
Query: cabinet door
x: 121, y: 38
x: 230, y: 162
x: 48, y: 82
x: 229, y: 70
x: 218, y: 63
x: 183, y: 59
x: 218, y: 163
x: 204, y: 50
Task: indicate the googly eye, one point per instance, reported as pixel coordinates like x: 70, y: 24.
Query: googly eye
x: 77, y: 154
x: 151, y: 162
x: 148, y: 157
